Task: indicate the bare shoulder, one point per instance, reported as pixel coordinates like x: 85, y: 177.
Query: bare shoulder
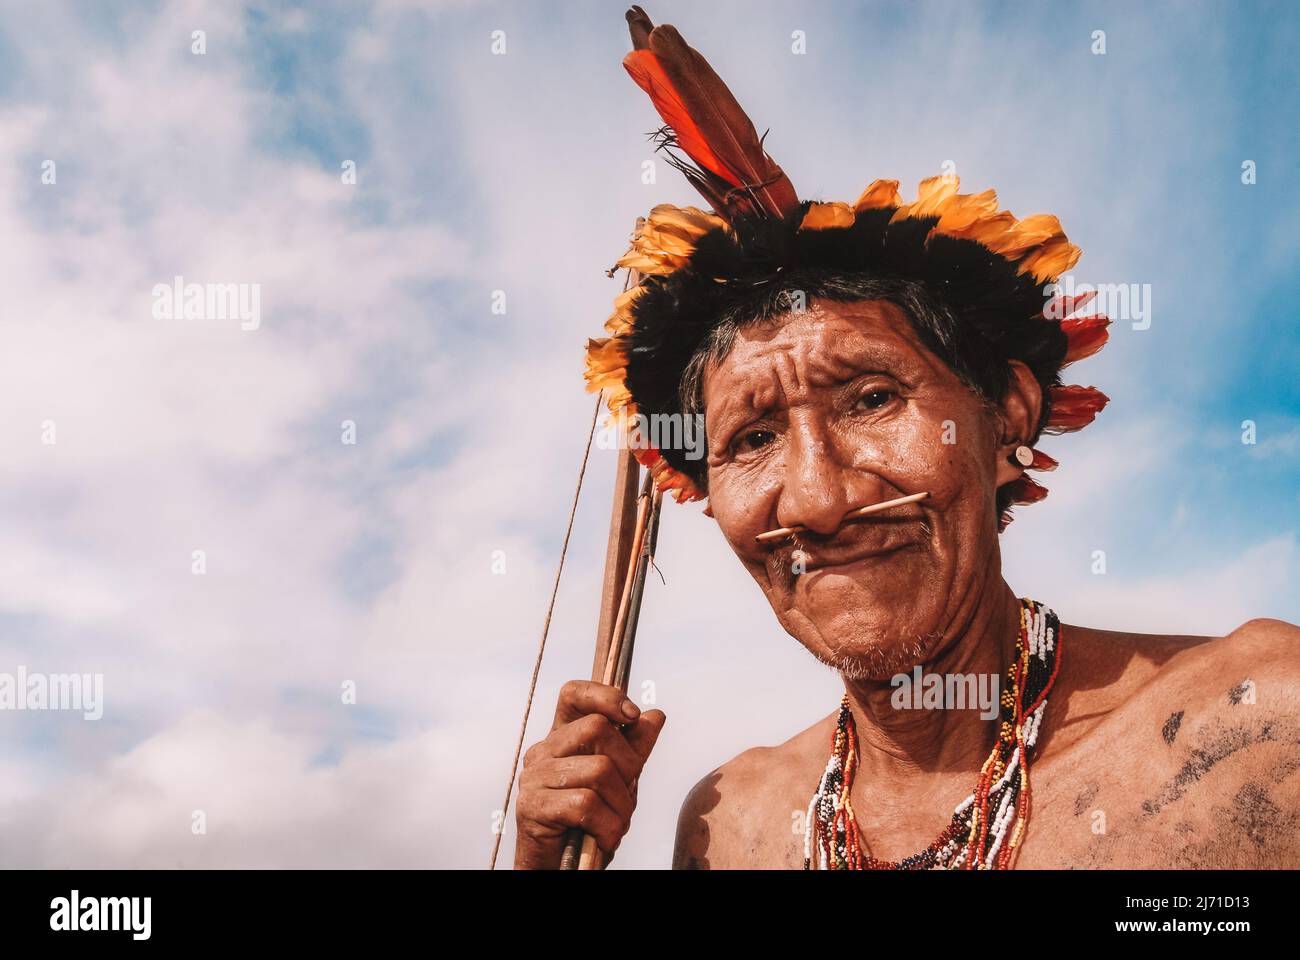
x: 1190, y: 744
x: 1247, y: 684
x: 1276, y: 642
x: 1117, y: 667
x: 1258, y: 662
x: 1179, y: 684
x: 743, y: 814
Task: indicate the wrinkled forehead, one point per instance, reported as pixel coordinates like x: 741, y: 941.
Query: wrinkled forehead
x: 827, y: 343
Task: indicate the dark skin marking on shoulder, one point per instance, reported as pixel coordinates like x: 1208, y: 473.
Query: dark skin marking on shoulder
x: 1287, y: 767
x: 1237, y: 693
x: 1218, y: 745
x: 1085, y: 797
x: 1170, y: 729
x: 1257, y: 816
x: 1243, y: 817
x: 1252, y: 814
x: 1099, y: 851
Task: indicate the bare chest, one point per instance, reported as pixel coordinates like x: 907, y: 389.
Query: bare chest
x: 1209, y: 795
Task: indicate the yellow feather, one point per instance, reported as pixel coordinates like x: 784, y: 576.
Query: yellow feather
x: 1029, y: 233
x: 963, y: 210
x: 1048, y: 262
x: 823, y: 216
x: 881, y: 195
x: 986, y: 230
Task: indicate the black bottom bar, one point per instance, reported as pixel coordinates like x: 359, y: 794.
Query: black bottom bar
x: 367, y: 908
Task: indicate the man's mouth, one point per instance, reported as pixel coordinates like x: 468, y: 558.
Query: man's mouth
x: 860, y: 542
x: 815, y: 562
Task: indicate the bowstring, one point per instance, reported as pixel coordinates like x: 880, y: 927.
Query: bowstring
x: 541, y: 646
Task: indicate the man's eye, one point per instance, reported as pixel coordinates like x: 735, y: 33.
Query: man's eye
x: 753, y: 439
x: 876, y: 398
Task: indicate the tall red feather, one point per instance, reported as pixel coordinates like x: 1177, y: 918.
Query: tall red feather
x: 645, y: 69
x: 709, y: 125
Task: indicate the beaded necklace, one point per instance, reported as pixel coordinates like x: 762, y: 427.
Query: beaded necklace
x: 977, y: 837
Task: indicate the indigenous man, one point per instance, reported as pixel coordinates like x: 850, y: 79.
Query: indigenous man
x: 844, y: 356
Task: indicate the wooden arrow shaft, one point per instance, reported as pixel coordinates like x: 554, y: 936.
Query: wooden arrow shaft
x: 620, y: 607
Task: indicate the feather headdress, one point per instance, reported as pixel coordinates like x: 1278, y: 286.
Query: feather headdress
x: 986, y: 265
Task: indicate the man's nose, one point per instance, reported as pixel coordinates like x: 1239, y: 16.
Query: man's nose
x: 820, y: 479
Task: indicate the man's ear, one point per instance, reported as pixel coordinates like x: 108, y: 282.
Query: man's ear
x: 1021, y: 406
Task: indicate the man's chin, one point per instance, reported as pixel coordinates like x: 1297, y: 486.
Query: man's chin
x: 861, y: 640
x: 879, y: 663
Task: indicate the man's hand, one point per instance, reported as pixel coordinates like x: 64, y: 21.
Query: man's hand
x: 584, y: 774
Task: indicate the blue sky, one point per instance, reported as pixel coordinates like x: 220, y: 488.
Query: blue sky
x: 371, y: 563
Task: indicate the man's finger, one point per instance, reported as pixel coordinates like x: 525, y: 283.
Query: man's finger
x: 579, y: 807
x: 581, y: 697
x: 642, y: 735
x: 594, y: 773
x: 593, y: 734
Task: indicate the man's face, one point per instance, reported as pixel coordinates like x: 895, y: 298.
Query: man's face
x: 839, y: 407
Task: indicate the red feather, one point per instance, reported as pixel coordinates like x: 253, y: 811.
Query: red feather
x: 1074, y: 407
x: 649, y: 75
x: 1085, y: 336
x: 1043, y: 462
x: 1023, y: 490
x: 708, y: 123
x: 1058, y: 308
x: 1026, y: 490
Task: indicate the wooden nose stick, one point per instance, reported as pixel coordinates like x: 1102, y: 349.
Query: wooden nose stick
x: 782, y: 532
